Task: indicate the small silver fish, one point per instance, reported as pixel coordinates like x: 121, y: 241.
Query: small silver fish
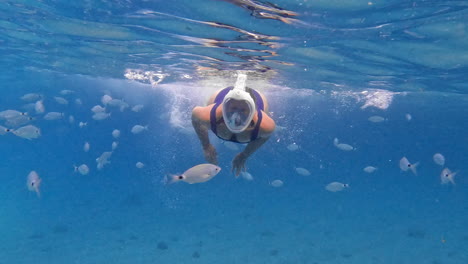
x: 103, y: 159
x: 9, y: 114
x: 136, y: 129
x: 18, y: 121
x: 446, y: 176
x: 101, y: 116
x: 336, y: 186
x: 369, y: 169
x: 376, y: 119
x: 27, y: 132
x: 4, y: 130
x: 86, y: 146
x: 439, y: 159
x: 302, y: 171
x: 83, y: 169
x: 118, y: 103
x: 39, y: 107
x: 98, y: 109
x: 33, y: 182
x: 66, y: 92
x: 137, y: 108
x: 197, y: 174
x: 31, y: 97
x: 106, y: 99
x: 116, y: 133
x: 247, y: 176
x: 342, y: 146
x: 405, y: 165
x: 408, y: 117
x: 277, y: 183
x: 61, y: 100
x: 53, y: 116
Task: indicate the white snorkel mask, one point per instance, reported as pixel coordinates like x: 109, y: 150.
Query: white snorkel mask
x: 238, y: 106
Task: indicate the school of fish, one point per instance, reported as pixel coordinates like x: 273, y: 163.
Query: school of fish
x: 25, y: 123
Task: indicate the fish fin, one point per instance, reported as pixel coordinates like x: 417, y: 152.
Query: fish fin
x: 38, y: 192
x: 175, y: 178
x: 413, y: 168
x: 452, y: 178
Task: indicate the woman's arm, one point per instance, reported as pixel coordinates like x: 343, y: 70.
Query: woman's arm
x: 200, y: 122
x: 266, y: 128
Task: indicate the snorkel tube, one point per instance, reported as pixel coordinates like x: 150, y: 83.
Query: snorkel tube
x: 237, y: 122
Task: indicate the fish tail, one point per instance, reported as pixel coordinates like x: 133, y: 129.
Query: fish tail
x: 413, y: 168
x: 173, y: 178
x: 452, y: 178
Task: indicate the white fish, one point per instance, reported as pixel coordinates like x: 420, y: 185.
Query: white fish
x: 31, y: 97
x: 116, y: 133
x: 106, y: 99
x: 137, y: 108
x: 114, y: 145
x: 61, y: 100
x: 39, y: 107
x: 4, y: 130
x: 27, y: 132
x: 405, y: 165
x: 336, y: 186
x: 376, y: 119
x: 439, y: 159
x: 66, y: 92
x: 101, y: 116
x: 53, y: 116
x: 342, y: 146
x: 103, y: 159
x: 86, y: 147
x: 136, y: 129
x: 247, y: 176
x: 118, y: 103
x: 408, y: 117
x: 293, y: 147
x: 18, y: 121
x: 71, y: 119
x: 83, y: 169
x: 446, y: 176
x: 33, y: 182
x: 197, y: 174
x: 82, y: 124
x: 302, y: 171
x: 78, y: 101
x: 9, y: 114
x: 139, y: 165
x: 98, y: 109
x: 28, y: 107
x: 369, y: 169
x: 276, y: 183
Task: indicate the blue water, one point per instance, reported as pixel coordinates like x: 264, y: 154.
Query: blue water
x: 320, y: 68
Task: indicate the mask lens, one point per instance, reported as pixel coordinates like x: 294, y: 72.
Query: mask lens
x: 237, y: 112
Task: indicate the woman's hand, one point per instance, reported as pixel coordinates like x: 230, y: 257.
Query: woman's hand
x: 238, y: 163
x: 210, y: 154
